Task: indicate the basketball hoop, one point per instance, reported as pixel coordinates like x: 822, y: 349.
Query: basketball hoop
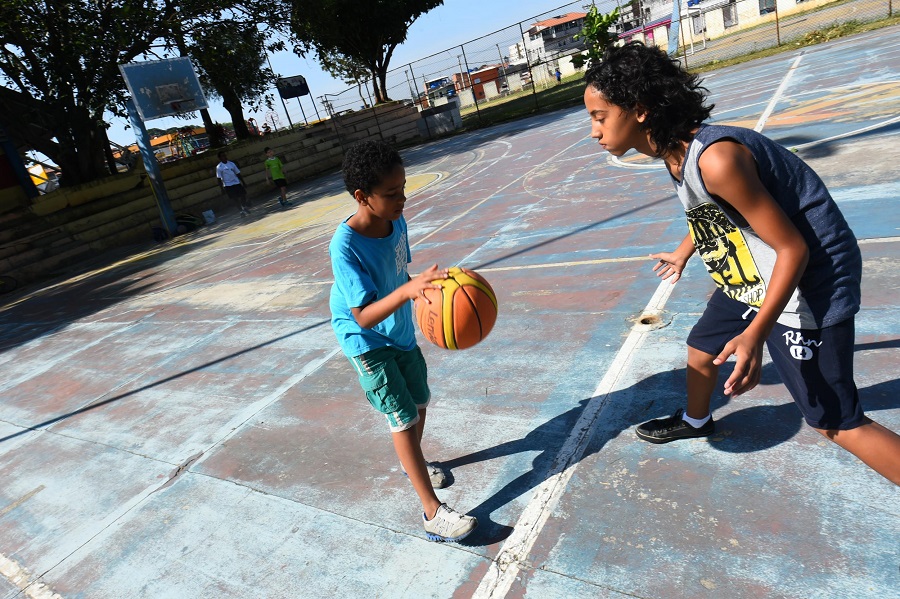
x: 162, y: 88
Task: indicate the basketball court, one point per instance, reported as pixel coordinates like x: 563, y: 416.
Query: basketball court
x: 180, y: 422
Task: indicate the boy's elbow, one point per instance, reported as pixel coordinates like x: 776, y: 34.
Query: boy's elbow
x: 801, y: 253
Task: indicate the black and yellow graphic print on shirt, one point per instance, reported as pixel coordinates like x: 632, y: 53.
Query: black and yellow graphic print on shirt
x: 724, y: 250
x: 741, y: 263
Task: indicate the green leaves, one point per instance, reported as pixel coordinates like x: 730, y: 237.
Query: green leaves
x: 360, y: 32
x: 596, y: 34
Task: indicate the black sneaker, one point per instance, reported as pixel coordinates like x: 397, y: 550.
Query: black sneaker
x: 664, y: 430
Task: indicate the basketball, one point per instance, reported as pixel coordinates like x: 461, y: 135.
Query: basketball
x: 461, y: 313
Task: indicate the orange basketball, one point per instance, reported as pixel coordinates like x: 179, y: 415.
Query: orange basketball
x: 461, y: 313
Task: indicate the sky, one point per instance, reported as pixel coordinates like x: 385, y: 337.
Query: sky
x: 451, y: 24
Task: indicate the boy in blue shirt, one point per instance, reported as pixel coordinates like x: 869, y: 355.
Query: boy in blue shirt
x: 372, y: 318
x: 786, y: 264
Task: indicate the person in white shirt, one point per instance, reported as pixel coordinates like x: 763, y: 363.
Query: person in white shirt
x: 232, y: 183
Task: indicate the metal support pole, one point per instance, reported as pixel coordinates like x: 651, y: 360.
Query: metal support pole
x: 528, y: 62
x: 502, y: 70
x: 286, y: 113
x: 413, y: 75
x: 303, y: 112
x: 777, y: 24
x: 412, y: 93
x: 166, y: 215
x: 474, y: 97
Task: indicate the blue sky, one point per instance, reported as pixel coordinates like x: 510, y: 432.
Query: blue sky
x: 453, y: 23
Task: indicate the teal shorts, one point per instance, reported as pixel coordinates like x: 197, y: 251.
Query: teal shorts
x: 396, y: 384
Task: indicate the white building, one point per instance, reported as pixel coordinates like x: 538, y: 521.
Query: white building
x: 548, y: 39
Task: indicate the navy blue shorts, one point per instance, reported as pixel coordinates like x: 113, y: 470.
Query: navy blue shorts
x: 816, y: 365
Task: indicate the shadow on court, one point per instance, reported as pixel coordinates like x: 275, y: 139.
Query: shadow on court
x: 752, y: 429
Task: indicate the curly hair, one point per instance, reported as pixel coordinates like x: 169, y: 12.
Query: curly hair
x: 367, y: 163
x: 635, y: 75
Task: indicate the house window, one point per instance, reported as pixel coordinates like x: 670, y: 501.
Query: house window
x: 766, y: 6
x: 729, y: 14
x: 699, y: 23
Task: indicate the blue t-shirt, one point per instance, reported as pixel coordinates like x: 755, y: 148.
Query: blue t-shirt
x: 365, y: 270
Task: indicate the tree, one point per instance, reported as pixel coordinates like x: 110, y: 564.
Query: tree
x: 595, y: 34
x: 229, y: 57
x: 61, y: 62
x: 348, y: 70
x: 363, y: 31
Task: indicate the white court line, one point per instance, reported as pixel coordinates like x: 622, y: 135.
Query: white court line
x: 778, y: 93
x: 812, y: 144
x: 878, y: 240
x: 505, y: 568
x: 21, y: 579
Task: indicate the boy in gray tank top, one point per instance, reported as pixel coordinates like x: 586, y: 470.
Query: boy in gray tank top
x: 786, y: 265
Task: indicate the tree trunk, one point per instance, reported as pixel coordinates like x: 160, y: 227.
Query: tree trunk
x: 233, y: 105
x: 359, y: 89
x: 382, y: 79
x: 207, y: 121
x: 376, y: 91
x: 107, y: 152
x: 81, y: 158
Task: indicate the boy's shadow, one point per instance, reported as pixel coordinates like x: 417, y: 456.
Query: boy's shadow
x: 751, y: 429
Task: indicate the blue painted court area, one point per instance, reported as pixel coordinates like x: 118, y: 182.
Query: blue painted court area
x: 180, y: 423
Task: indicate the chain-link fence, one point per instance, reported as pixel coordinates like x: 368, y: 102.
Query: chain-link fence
x: 528, y: 65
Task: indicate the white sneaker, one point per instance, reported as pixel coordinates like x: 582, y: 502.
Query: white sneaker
x: 437, y: 476
x: 448, y: 525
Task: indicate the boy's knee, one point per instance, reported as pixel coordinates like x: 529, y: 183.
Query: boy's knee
x: 699, y: 358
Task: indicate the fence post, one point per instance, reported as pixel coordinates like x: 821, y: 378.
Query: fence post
x: 471, y: 86
x: 778, y: 25
x: 528, y: 62
x: 415, y: 97
x: 334, y: 123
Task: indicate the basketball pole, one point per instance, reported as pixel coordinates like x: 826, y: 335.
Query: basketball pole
x: 166, y: 214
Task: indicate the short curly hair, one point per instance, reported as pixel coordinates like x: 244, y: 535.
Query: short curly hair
x: 636, y: 75
x: 367, y: 163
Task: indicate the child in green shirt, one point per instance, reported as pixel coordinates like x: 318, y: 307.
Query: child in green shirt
x: 275, y: 175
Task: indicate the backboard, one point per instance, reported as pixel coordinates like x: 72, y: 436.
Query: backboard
x: 292, y: 87
x: 163, y: 87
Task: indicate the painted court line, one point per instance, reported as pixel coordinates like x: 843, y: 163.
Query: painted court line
x: 21, y: 578
x: 515, y: 551
x: 778, y: 93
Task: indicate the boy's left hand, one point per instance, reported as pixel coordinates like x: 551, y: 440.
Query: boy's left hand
x: 747, y: 351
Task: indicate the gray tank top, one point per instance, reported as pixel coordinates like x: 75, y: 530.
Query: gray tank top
x: 741, y: 263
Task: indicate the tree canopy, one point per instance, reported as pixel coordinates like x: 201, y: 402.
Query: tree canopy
x: 59, y: 61
x: 230, y: 59
x: 363, y: 31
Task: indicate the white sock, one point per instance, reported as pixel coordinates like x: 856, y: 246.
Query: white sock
x: 694, y: 421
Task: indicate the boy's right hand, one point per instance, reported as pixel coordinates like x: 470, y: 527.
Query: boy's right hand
x: 417, y: 285
x: 670, y: 265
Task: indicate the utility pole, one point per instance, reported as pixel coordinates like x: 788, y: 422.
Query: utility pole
x: 502, y: 70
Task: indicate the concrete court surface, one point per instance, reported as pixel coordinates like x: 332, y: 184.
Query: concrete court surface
x: 179, y: 423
